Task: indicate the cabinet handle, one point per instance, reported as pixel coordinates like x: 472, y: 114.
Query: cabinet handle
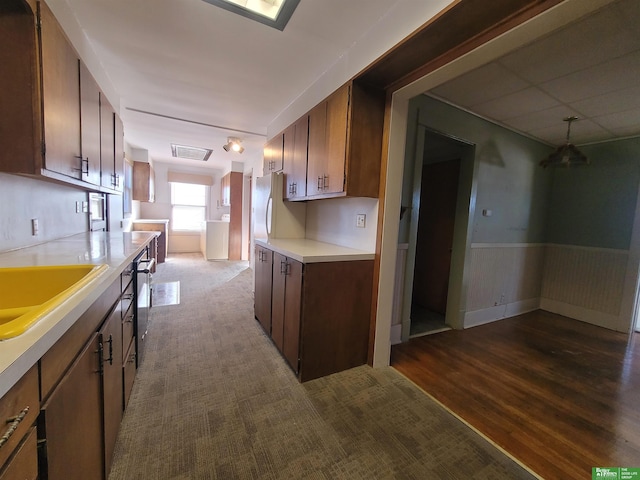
x: 13, y: 425
x: 132, y: 358
x: 127, y: 296
x: 128, y: 319
x: 283, y: 268
x: 320, y: 183
x: 325, y: 182
x: 127, y: 273
x: 110, y: 342
x: 83, y: 162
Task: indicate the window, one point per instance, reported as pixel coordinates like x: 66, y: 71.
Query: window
x: 188, y: 206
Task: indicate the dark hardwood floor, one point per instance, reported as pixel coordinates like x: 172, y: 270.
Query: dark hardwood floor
x: 559, y: 395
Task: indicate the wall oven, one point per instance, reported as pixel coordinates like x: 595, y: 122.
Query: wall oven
x: 142, y: 266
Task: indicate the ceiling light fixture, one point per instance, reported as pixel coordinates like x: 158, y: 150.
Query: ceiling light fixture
x: 568, y: 154
x: 233, y: 144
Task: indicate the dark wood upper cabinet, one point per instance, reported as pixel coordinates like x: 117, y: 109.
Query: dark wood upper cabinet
x: 341, y: 140
x: 48, y: 118
x: 90, y: 126
x: 273, y: 155
x: 61, y: 93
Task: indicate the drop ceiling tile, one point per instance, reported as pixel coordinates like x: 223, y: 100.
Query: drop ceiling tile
x: 544, y: 118
x: 480, y: 85
x: 610, y: 76
x: 516, y: 104
x: 610, y: 33
x: 620, y: 120
x: 582, y: 131
x: 611, y: 102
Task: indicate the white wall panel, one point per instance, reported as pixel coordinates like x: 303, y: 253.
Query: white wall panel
x: 589, y: 278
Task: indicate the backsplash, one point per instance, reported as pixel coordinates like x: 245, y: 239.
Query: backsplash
x: 54, y: 206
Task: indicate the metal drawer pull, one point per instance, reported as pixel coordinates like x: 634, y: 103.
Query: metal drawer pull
x: 14, y: 422
x: 110, y: 342
x: 128, y: 319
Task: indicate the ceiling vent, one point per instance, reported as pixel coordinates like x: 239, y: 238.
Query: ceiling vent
x: 190, y: 153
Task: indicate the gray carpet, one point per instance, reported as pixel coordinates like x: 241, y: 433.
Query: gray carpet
x: 214, y: 400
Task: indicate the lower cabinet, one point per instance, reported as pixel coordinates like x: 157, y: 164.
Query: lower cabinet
x: 70, y: 422
x: 262, y: 294
x: 320, y: 313
x: 23, y: 464
x: 285, y: 314
x: 112, y: 386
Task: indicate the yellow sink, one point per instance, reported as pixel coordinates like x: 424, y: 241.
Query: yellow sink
x: 28, y: 293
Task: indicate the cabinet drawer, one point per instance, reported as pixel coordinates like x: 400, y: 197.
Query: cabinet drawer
x: 22, y: 396
x: 129, y: 371
x: 127, y: 299
x: 24, y: 464
x: 127, y: 332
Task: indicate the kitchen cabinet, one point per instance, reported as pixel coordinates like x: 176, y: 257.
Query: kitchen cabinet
x: 61, y: 90
x: 108, y: 177
x: 345, y: 143
x: 90, y: 126
x: 19, y: 409
x: 320, y: 313
x: 48, y: 117
x: 295, y: 159
x: 225, y: 190
x: 144, y: 182
x: 285, y: 316
x: 110, y: 347
x: 70, y: 422
x: 262, y: 293
x: 273, y: 155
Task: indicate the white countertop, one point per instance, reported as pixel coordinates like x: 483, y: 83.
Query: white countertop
x: 116, y: 250
x: 311, y: 251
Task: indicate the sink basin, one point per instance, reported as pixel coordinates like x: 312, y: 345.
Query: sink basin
x: 28, y: 293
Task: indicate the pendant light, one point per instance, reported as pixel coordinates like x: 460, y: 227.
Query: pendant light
x: 566, y: 155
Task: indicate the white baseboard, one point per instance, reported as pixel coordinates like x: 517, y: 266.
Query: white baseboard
x: 492, y: 314
x: 600, y: 319
x: 396, y: 334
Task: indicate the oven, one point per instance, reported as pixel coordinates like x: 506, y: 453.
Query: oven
x: 142, y: 266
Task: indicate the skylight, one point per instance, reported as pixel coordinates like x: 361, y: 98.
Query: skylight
x: 275, y: 13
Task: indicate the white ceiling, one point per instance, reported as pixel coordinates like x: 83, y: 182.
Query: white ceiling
x: 194, y: 61
x: 203, y: 73
x: 590, y: 69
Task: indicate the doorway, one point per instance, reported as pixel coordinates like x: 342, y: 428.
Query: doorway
x: 436, y: 202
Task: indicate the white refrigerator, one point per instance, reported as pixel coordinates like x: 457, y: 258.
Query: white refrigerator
x: 273, y: 217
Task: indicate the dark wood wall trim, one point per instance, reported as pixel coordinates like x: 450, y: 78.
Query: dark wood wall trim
x: 462, y: 27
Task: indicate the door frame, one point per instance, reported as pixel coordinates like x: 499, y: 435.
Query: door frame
x: 463, y: 227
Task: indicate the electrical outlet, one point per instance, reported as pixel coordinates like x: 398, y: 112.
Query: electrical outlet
x: 361, y: 219
x: 78, y: 207
x: 34, y: 227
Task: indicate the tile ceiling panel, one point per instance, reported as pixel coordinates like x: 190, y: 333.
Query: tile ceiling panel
x: 589, y: 69
x: 517, y: 104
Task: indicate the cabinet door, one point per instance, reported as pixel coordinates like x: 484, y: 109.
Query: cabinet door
x: 107, y: 145
x: 277, y: 300
x: 61, y: 97
x: 118, y: 142
x: 262, y: 295
x: 292, y: 305
x: 317, y: 149
x: 337, y: 118
x: 273, y: 155
x: 295, y: 159
x: 90, y: 126
x: 71, y: 421
x: 112, y: 388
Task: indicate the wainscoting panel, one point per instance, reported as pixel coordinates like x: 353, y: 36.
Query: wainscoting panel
x: 503, y: 274
x: 588, y: 278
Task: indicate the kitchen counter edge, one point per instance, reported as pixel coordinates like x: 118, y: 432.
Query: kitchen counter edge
x: 116, y: 250
x: 312, y: 251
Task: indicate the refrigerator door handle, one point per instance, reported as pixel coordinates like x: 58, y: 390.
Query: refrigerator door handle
x: 267, y: 214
